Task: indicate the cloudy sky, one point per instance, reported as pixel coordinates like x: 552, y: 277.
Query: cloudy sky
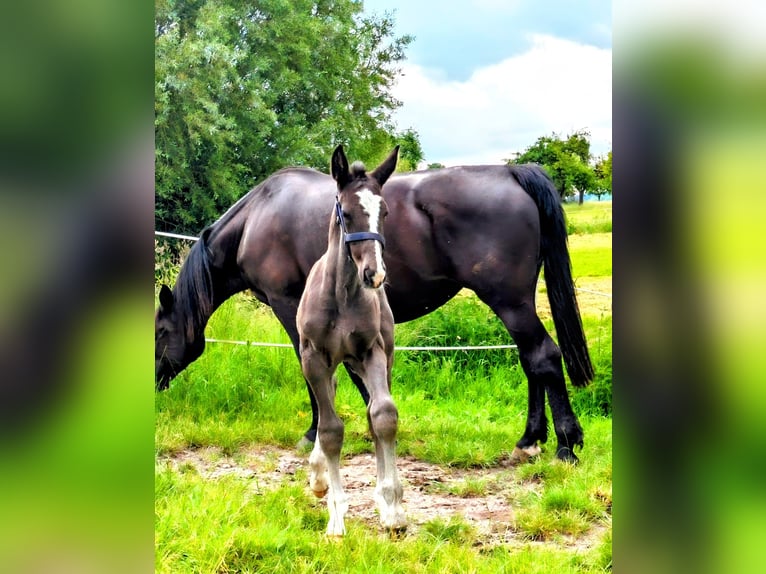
x: 484, y: 79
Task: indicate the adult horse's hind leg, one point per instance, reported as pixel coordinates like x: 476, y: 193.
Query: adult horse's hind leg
x: 357, y: 380
x: 541, y: 360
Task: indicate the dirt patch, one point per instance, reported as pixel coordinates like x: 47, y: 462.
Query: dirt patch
x: 481, y: 497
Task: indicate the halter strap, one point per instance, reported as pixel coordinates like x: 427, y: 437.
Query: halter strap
x: 359, y: 235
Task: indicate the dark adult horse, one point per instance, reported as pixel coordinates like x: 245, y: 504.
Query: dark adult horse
x: 487, y: 228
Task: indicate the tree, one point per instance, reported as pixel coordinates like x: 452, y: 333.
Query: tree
x: 411, y: 152
x: 603, y: 172
x: 243, y: 89
x: 567, y: 161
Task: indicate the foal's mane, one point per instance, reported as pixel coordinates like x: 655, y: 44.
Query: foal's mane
x: 358, y: 170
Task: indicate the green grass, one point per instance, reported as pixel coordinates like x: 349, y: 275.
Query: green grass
x: 228, y: 525
x: 457, y: 409
x: 591, y: 255
x: 573, y: 499
x: 590, y: 217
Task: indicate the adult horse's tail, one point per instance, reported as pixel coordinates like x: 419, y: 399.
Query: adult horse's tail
x: 558, y: 272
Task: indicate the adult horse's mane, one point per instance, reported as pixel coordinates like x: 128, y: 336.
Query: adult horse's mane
x: 194, y: 287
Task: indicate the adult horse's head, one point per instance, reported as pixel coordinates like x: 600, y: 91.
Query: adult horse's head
x: 179, y: 322
x: 168, y: 341
x: 174, y: 347
x: 360, y: 212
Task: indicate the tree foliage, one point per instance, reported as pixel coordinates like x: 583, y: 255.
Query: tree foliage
x: 567, y: 160
x: 243, y: 89
x: 603, y: 172
x: 411, y: 152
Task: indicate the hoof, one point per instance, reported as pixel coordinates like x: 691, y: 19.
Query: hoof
x: 521, y: 455
x: 320, y: 493
x: 566, y: 454
x: 395, y: 523
x: 335, y: 538
x: 398, y: 532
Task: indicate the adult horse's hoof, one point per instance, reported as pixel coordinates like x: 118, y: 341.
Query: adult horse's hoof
x: 522, y: 455
x: 566, y: 454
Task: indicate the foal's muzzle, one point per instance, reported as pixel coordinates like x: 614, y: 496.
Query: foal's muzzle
x: 374, y: 279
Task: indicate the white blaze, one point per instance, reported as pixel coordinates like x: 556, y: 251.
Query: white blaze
x: 371, y: 204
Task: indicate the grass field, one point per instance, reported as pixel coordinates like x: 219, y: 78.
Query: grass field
x: 226, y: 430
x: 590, y: 217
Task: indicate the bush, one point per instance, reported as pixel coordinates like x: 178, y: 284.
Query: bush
x: 168, y: 259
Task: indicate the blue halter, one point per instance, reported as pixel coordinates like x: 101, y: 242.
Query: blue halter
x: 359, y: 235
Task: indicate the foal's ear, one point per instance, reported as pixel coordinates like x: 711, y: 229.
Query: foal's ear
x: 385, y: 169
x: 339, y: 167
x: 166, y: 299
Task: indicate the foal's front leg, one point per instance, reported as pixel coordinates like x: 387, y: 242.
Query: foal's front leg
x: 324, y: 460
x: 324, y: 478
x: 383, y: 419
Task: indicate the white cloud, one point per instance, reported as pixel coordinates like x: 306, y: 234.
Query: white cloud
x: 556, y: 86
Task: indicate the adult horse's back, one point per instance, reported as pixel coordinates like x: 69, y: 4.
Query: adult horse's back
x: 486, y: 228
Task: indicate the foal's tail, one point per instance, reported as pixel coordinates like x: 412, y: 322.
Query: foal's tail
x: 558, y: 272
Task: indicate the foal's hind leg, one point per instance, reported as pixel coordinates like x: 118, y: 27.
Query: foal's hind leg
x: 541, y: 360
